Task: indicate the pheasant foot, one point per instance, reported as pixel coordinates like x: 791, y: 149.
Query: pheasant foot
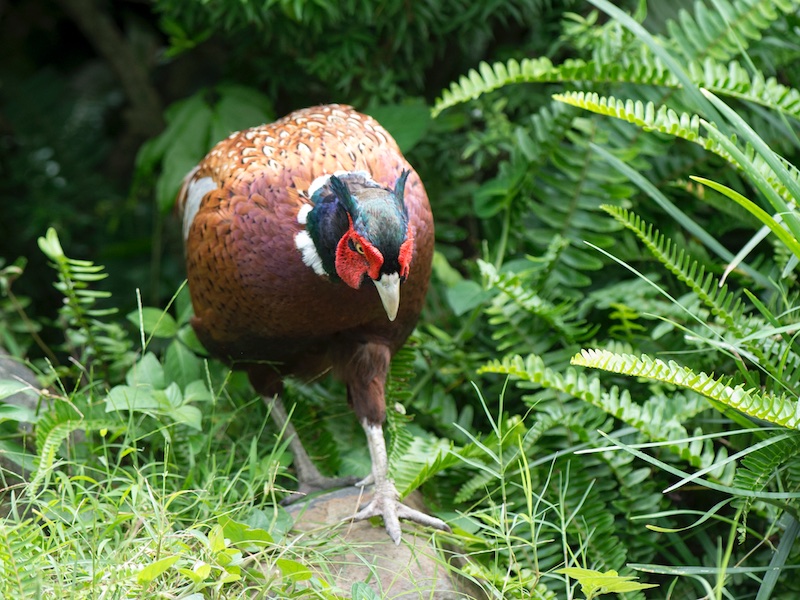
x: 385, y: 503
x: 386, y: 500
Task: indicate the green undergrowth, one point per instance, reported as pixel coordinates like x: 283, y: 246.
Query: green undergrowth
x: 601, y: 397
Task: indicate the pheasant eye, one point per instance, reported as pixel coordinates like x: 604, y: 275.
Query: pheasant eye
x: 355, y: 246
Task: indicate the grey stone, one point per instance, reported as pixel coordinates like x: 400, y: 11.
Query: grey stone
x: 10, y: 368
x: 417, y: 568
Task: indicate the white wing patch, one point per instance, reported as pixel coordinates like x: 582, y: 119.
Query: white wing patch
x: 309, y: 252
x: 195, y: 193
x: 317, y: 183
x: 302, y: 214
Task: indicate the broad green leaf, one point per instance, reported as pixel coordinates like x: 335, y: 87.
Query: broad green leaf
x: 239, y: 107
x: 244, y: 536
x: 170, y: 397
x: 153, y: 570
x: 13, y: 412
x: 147, y: 371
x: 216, y: 539
x: 465, y: 295
x: 594, y: 582
x: 361, y: 591
x: 407, y: 123
x: 126, y: 397
x: 202, y: 570
x: 9, y: 387
x: 188, y: 337
x: 293, y: 569
x: 17, y: 454
x: 197, y: 391
x: 186, y: 148
x: 155, y: 322
x: 181, y: 365
x: 188, y: 415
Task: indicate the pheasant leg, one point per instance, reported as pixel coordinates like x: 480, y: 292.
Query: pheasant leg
x: 386, y: 500
x: 308, y: 476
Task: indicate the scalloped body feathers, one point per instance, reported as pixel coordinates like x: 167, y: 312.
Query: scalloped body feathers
x: 266, y: 297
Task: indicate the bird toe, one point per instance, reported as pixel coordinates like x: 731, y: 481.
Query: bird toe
x: 387, y: 506
x: 318, y: 484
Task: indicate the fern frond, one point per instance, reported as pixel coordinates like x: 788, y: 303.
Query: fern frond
x: 727, y: 29
x: 762, y: 464
x: 586, y: 492
x: 422, y: 459
x: 685, y: 126
x: 19, y: 576
x: 521, y: 317
x: 664, y: 119
x: 776, y: 409
x: 657, y: 418
x: 726, y: 306
x: 91, y: 337
x: 734, y: 80
x: 491, y: 77
x: 55, y: 426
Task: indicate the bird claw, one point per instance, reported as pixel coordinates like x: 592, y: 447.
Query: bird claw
x: 385, y: 504
x: 318, y: 483
x: 368, y: 480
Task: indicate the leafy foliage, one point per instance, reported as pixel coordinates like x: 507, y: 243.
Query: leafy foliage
x: 605, y: 196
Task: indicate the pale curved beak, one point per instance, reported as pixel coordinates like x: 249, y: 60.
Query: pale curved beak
x: 389, y: 290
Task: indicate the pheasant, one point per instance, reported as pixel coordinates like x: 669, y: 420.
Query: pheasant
x: 308, y: 245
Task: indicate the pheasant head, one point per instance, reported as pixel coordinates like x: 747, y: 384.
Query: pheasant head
x: 357, y: 230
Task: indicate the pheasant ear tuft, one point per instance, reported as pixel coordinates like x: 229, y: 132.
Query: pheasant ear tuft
x: 341, y: 191
x: 399, y: 190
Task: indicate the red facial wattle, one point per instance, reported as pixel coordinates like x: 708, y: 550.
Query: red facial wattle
x: 406, y: 250
x: 352, y: 264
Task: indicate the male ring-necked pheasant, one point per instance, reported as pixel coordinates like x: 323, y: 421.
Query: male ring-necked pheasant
x: 308, y: 248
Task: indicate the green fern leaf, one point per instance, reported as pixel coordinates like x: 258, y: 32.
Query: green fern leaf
x: 725, y: 305
x: 55, y: 426
x: 761, y: 465
x: 19, y: 573
x: 777, y: 409
x: 492, y: 77
x: 658, y: 418
x: 664, y: 119
x: 726, y: 30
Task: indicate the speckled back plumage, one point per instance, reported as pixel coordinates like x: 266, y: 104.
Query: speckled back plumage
x: 255, y: 301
